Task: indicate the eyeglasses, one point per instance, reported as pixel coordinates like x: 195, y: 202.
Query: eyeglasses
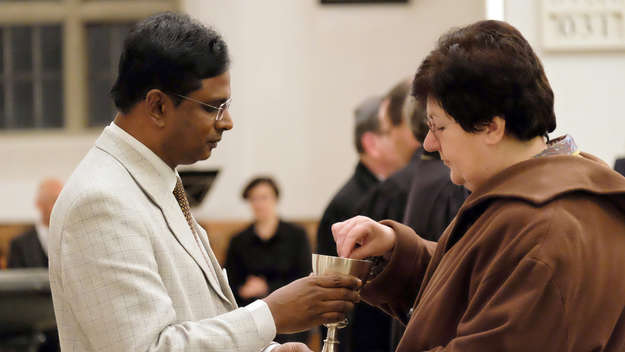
x: 436, y: 130
x: 220, y: 109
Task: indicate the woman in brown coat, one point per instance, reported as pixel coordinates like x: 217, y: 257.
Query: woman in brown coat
x: 534, y: 259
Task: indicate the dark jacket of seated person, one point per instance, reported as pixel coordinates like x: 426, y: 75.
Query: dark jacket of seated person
x: 26, y: 251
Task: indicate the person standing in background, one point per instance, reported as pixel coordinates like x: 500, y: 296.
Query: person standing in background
x: 421, y: 194
x: 385, y: 144
x: 268, y: 254
x: 372, y: 146
x: 387, y: 200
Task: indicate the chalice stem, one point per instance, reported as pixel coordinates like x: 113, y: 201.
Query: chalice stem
x: 331, y: 344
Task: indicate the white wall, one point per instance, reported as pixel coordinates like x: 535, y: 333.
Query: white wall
x: 589, y: 87
x: 298, y: 71
x: 25, y: 158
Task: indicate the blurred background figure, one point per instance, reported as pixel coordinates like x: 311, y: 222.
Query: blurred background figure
x: 268, y: 254
x: 370, y: 141
x: 404, y: 142
x: 30, y: 250
x: 372, y: 144
x: 421, y: 194
x: 387, y: 200
x: 385, y: 145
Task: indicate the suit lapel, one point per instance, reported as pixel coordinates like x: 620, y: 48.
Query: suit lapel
x: 181, y: 230
x: 152, y: 183
x: 221, y: 276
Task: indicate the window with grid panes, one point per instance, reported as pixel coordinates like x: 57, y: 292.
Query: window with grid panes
x: 58, y: 59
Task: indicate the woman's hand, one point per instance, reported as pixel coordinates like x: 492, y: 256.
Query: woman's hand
x: 373, y: 239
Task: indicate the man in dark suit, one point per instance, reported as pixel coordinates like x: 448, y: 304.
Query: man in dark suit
x: 421, y: 195
x: 364, y: 177
x: 29, y: 250
x: 385, y: 144
x: 619, y: 166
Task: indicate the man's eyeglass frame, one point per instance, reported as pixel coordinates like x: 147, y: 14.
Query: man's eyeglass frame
x: 220, y: 109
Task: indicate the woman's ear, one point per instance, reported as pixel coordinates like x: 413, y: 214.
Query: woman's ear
x: 495, y: 130
x: 156, y: 106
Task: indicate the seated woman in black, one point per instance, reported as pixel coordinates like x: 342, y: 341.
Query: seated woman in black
x: 270, y: 253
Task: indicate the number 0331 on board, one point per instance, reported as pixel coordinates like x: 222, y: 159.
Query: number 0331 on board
x: 591, y: 25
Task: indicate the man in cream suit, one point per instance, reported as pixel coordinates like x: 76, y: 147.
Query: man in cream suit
x: 130, y: 269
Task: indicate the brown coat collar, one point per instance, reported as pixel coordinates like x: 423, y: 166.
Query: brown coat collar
x: 567, y: 173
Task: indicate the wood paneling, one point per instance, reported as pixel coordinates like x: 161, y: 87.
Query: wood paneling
x: 7, y: 232
x: 219, y: 233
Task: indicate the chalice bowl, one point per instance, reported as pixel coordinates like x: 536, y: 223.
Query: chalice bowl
x: 325, y: 264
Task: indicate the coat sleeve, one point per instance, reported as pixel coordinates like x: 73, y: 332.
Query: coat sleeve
x: 110, y: 285
x: 394, y: 290
x: 520, y: 312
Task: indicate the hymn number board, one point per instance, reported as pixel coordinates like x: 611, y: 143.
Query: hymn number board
x: 583, y: 24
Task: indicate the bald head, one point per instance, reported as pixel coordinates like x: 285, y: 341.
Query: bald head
x: 48, y: 192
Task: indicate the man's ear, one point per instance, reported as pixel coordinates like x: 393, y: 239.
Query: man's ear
x: 495, y: 130
x: 156, y: 105
x: 369, y: 143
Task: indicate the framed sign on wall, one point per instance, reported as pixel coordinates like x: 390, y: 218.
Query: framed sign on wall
x: 582, y: 25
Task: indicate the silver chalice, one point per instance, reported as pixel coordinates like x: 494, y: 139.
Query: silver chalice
x: 325, y: 264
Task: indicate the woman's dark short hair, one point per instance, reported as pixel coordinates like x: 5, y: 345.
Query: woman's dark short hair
x: 484, y: 70
x: 260, y: 180
x: 170, y: 52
